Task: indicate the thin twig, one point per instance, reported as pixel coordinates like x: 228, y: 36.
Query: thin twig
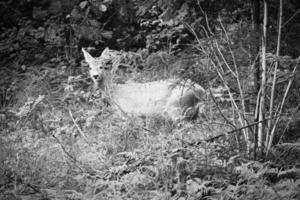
x: 275, y: 72
x: 288, y: 123
x: 206, y: 18
x: 225, y: 118
x: 78, y: 128
x: 280, y: 111
x: 227, y: 133
x: 235, y: 67
x: 85, y: 138
x: 287, y: 21
x: 74, y: 160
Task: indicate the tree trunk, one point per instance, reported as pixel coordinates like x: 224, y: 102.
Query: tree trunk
x: 255, y: 69
x: 261, y: 127
x: 256, y: 30
x: 270, y: 124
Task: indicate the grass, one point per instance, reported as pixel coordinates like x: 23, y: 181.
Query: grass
x: 61, y: 140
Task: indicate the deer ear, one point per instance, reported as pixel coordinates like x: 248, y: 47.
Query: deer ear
x: 88, y: 58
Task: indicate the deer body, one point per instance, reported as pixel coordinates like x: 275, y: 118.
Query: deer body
x: 170, y: 97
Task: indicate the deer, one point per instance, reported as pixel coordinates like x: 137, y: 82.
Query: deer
x: 172, y: 98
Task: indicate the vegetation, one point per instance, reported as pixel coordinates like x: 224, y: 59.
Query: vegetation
x: 61, y: 140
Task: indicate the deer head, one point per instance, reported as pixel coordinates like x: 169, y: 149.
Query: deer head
x: 96, y: 68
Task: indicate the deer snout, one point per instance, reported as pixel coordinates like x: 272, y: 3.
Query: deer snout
x: 96, y: 76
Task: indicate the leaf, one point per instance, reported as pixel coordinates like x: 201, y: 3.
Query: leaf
x: 107, y: 34
x: 75, y: 14
x: 193, y: 187
x: 102, y: 8
x: 83, y: 4
x: 38, y: 13
x: 94, y: 23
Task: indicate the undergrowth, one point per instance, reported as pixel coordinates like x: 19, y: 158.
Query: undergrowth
x: 60, y: 140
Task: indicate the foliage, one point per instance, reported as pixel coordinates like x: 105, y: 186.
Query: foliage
x: 266, y: 182
x: 60, y: 140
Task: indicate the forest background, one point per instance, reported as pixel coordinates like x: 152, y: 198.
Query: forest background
x: 59, y: 140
